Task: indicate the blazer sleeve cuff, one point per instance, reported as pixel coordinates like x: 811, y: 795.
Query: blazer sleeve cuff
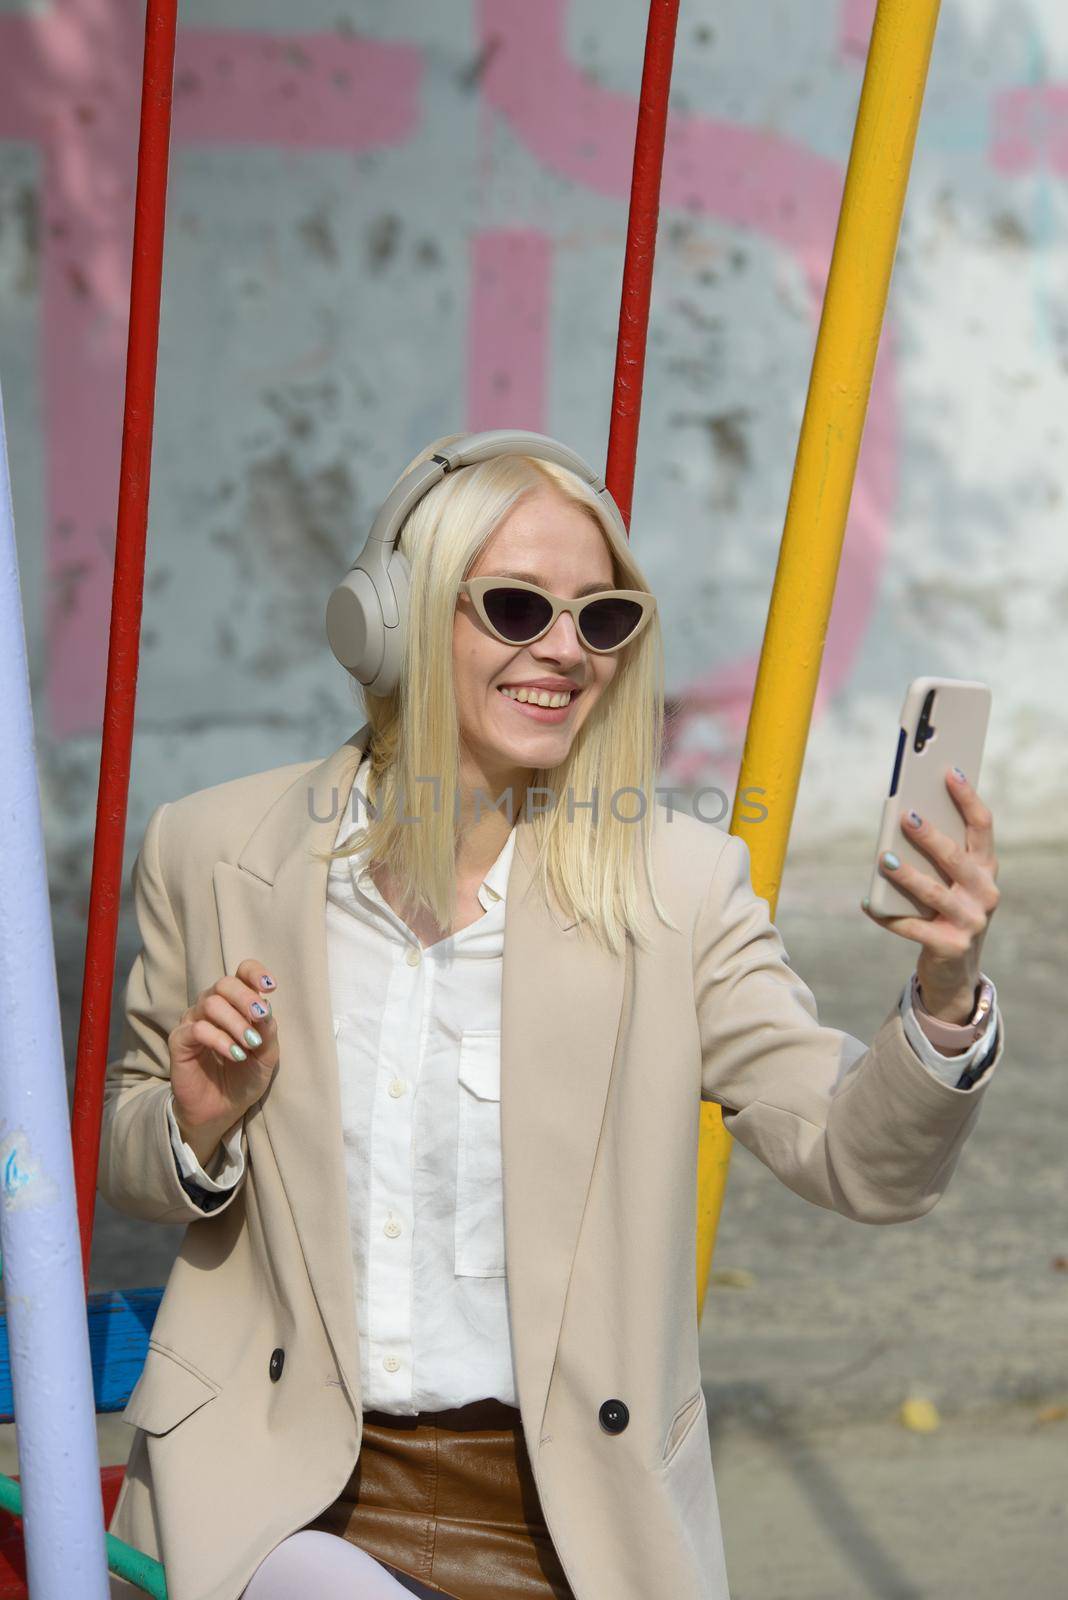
x: 947, y: 1069
x: 228, y: 1162
x: 155, y: 1175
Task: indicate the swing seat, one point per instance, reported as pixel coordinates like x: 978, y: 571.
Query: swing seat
x: 119, y: 1327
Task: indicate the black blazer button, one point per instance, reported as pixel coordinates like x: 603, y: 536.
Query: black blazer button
x: 613, y: 1416
x: 277, y: 1362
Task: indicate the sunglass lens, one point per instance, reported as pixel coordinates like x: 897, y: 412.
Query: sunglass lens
x: 607, y: 623
x: 517, y: 614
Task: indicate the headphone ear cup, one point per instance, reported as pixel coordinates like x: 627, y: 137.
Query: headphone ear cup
x: 354, y: 626
x: 357, y: 634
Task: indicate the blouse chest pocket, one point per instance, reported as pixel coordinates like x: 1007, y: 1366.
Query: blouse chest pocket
x: 479, y: 1221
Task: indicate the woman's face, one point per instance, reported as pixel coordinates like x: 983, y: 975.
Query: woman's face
x: 545, y: 540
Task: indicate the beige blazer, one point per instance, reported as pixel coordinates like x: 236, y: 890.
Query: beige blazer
x: 604, y: 1062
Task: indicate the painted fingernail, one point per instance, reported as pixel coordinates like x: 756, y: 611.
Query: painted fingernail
x: 915, y: 818
x: 258, y: 1009
x: 237, y: 1053
x: 865, y: 902
x: 266, y: 982
x: 958, y: 774
x: 890, y: 860
x: 252, y: 1037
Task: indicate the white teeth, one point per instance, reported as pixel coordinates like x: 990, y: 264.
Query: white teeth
x: 538, y: 697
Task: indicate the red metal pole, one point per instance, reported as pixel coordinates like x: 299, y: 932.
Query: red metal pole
x: 126, y: 596
x: 641, y: 247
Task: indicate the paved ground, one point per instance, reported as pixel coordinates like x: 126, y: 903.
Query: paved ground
x: 871, y: 1512
x: 823, y: 1493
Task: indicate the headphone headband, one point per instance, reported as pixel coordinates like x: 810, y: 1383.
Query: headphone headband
x: 367, y: 613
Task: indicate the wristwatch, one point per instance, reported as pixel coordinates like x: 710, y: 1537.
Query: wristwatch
x: 955, y: 1035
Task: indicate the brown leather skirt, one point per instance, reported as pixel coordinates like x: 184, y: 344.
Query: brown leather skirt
x: 449, y: 1498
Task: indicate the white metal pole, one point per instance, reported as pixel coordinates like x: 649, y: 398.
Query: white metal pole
x: 44, y: 1291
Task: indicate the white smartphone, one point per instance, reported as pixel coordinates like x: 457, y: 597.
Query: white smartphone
x: 943, y: 724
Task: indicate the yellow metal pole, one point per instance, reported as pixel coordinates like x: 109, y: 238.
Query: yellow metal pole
x: 846, y: 347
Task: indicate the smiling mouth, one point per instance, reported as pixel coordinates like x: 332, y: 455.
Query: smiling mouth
x: 547, y: 699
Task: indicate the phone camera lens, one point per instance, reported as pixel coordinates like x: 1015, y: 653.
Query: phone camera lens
x: 925, y: 728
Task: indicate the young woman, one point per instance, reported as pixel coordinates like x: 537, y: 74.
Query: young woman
x: 417, y: 1041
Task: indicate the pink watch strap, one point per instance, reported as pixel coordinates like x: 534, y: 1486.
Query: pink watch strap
x: 955, y: 1035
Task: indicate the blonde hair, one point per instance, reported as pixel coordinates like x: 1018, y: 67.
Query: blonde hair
x: 591, y: 867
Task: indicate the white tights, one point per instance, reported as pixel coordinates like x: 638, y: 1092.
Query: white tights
x: 330, y: 1568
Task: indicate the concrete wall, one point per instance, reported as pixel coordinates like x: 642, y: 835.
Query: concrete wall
x: 389, y: 221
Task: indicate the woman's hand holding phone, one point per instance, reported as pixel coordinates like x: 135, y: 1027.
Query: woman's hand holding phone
x: 218, y: 1070
x: 949, y: 966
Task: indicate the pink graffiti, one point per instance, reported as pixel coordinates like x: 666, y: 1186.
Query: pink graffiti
x: 508, y: 329
x: 854, y: 27
x: 72, y: 85
x: 1030, y: 128
x: 758, y: 181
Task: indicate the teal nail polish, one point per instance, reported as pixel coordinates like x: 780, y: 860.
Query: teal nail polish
x: 252, y: 1036
x: 865, y: 903
x: 890, y: 860
x: 237, y: 1053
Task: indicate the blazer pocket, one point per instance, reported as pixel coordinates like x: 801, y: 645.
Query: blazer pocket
x: 479, y: 1216
x: 684, y: 1419
x: 168, y: 1391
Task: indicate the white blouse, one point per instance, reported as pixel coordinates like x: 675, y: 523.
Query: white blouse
x: 418, y: 1041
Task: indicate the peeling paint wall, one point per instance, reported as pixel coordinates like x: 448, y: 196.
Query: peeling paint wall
x: 389, y: 222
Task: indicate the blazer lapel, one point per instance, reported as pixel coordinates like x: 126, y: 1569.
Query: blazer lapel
x: 562, y: 997
x: 272, y: 905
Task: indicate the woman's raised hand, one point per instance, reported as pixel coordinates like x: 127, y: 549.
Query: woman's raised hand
x: 218, y: 1069
x: 948, y: 965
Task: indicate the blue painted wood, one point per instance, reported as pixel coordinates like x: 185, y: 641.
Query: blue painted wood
x: 119, y: 1325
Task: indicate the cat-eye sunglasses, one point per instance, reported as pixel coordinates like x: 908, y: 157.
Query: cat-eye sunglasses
x: 517, y: 613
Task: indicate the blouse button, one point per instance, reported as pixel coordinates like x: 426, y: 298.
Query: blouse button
x: 391, y: 1363
x: 392, y: 1228
x: 397, y: 1087
x: 412, y: 957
